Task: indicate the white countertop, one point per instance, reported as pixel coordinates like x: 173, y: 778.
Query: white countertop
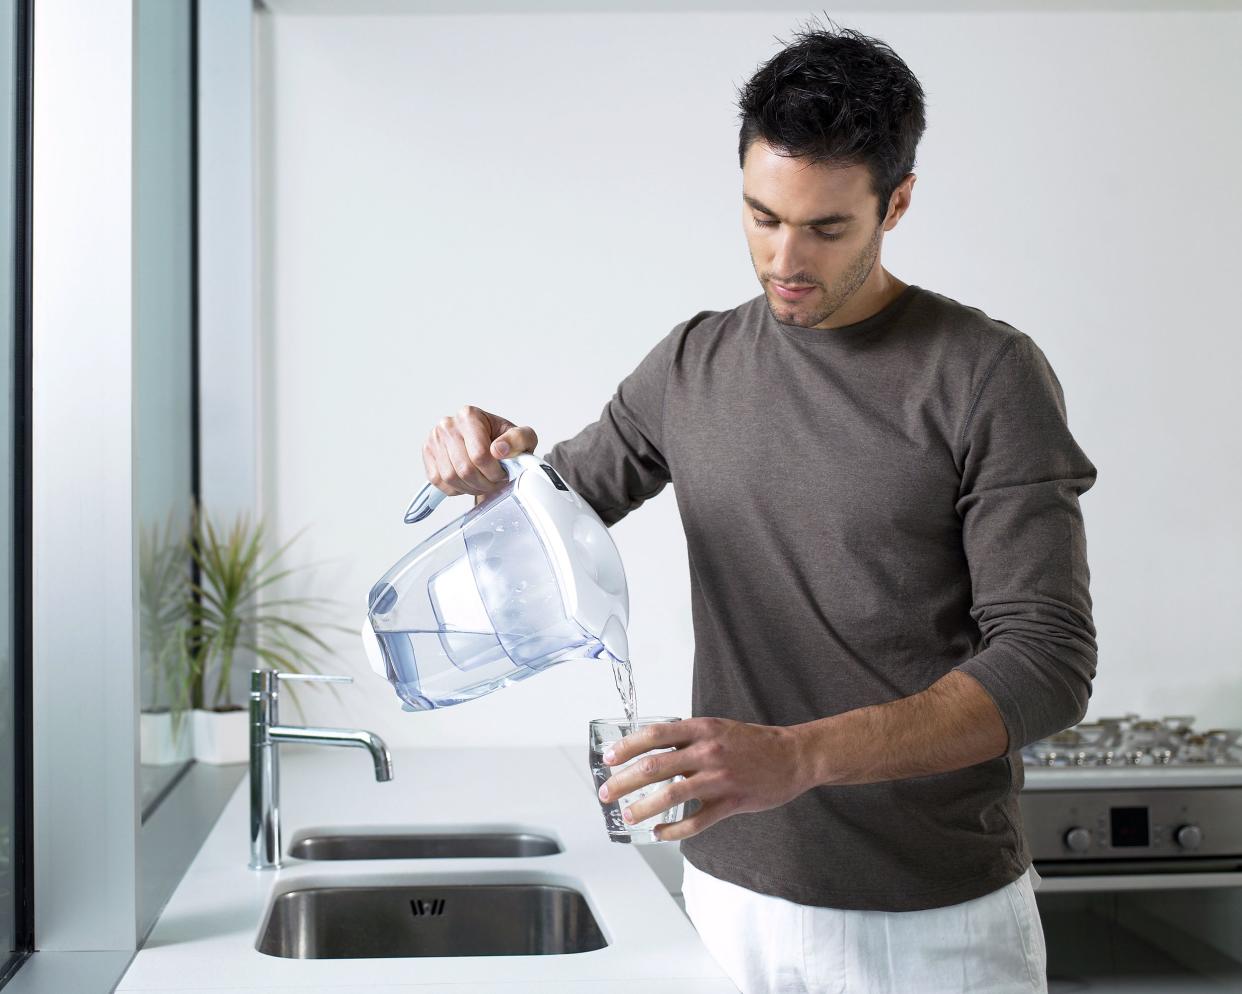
x: 205, y: 938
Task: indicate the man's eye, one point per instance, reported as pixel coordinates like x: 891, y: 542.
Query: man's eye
x: 759, y: 222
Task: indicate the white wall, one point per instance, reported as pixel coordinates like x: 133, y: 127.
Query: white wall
x: 510, y: 210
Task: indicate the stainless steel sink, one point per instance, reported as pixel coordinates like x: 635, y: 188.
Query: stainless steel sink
x: 442, y: 845
x: 429, y: 920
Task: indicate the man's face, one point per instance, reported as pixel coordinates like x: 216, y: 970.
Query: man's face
x: 808, y: 225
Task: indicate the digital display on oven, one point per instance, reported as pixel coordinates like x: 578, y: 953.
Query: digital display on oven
x: 1129, y: 827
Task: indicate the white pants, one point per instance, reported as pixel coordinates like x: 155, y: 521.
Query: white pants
x: 990, y: 945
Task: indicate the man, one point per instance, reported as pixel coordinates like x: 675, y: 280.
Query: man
x: 888, y: 568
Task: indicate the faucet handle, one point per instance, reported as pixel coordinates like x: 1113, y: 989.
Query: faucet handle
x: 315, y: 677
x: 263, y: 681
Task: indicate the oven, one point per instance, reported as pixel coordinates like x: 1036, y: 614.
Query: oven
x: 1135, y: 828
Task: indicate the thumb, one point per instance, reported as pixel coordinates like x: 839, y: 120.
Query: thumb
x: 515, y: 440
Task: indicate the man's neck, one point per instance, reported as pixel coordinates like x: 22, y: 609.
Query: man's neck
x: 868, y: 300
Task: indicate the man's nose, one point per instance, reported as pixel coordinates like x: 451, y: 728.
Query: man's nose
x: 787, y: 261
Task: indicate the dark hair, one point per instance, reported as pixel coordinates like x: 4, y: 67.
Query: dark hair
x: 837, y: 97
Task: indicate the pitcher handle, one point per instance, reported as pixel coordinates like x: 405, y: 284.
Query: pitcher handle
x: 428, y: 499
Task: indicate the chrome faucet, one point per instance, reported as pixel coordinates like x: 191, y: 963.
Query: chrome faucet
x: 266, y: 733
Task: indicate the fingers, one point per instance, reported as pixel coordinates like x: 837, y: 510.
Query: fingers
x: 475, y: 446
x: 706, y: 816
x: 459, y: 457
x: 666, y: 797
x: 515, y: 440
x: 472, y: 477
x: 431, y: 466
x: 661, y: 735
x: 445, y: 474
x: 647, y: 770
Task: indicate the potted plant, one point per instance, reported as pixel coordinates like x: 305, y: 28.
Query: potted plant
x: 231, y: 620
x: 164, y: 622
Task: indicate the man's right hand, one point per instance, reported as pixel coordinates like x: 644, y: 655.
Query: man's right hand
x: 463, y: 452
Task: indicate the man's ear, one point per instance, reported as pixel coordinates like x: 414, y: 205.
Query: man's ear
x: 899, y: 202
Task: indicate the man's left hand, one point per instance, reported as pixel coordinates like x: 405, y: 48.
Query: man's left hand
x: 729, y: 766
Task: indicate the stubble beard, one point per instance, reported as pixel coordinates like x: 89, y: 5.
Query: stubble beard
x: 834, y: 297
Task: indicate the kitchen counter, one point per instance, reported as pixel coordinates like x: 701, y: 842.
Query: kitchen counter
x: 205, y: 938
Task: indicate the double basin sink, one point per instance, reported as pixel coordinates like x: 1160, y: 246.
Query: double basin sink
x: 414, y: 919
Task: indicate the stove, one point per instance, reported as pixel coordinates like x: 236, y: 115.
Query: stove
x: 1137, y: 797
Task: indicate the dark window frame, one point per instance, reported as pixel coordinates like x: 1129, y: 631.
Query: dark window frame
x: 196, y: 469
x: 23, y: 828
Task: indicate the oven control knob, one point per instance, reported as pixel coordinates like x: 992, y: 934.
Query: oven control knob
x: 1078, y: 839
x: 1189, y: 836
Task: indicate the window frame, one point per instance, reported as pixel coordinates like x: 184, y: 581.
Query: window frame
x: 20, y: 525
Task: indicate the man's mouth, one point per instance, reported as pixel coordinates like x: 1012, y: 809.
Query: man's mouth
x: 792, y: 293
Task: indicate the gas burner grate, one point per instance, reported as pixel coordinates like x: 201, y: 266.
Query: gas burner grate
x: 1131, y: 741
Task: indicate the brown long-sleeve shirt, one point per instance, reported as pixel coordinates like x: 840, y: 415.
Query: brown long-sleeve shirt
x: 865, y: 509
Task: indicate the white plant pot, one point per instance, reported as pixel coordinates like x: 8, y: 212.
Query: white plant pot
x: 158, y: 745
x: 222, y: 736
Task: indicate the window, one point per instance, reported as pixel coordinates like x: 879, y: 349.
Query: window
x: 164, y: 375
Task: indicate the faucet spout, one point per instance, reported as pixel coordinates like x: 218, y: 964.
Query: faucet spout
x: 338, y: 737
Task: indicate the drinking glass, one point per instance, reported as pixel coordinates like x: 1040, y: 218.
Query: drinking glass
x: 603, y: 733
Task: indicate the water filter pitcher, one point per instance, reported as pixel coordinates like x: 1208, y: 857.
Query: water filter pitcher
x: 528, y: 578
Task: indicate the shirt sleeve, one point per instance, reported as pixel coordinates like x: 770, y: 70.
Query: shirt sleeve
x: 619, y: 462
x: 1023, y: 535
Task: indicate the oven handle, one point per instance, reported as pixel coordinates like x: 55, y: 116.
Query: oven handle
x: 1119, y: 867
